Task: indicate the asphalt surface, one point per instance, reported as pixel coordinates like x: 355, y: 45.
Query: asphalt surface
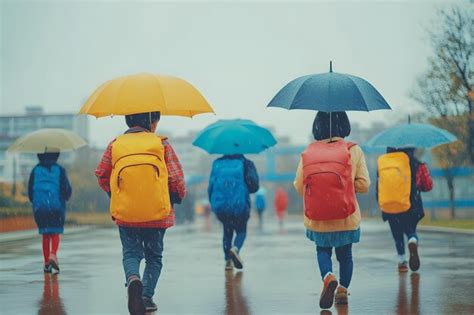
x: 280, y: 275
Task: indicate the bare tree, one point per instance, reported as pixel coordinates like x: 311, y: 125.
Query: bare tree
x: 445, y: 89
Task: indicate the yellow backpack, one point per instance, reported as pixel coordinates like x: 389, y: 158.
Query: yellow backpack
x: 394, y: 186
x: 139, y: 180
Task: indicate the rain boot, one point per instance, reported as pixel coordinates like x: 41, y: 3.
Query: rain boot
x: 327, y: 296
x: 414, y: 261
x: 341, y: 297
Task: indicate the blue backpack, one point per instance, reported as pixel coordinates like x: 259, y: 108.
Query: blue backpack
x: 46, y: 189
x: 227, y: 187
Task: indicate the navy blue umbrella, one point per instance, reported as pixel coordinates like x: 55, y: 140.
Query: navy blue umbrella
x: 329, y: 92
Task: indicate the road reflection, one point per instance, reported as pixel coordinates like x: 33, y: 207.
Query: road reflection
x: 408, y: 305
x: 51, y: 303
x: 236, y: 303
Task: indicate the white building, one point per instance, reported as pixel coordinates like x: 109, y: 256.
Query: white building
x: 17, y: 167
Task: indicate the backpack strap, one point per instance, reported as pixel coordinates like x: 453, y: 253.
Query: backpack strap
x: 350, y: 145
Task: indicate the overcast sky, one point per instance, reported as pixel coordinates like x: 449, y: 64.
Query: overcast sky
x: 238, y: 55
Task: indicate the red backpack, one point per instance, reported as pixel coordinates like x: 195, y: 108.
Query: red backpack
x: 329, y: 192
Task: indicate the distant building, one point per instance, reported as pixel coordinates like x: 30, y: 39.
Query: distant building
x: 34, y: 118
x: 195, y: 161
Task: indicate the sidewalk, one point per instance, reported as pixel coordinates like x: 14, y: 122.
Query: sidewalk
x: 27, y: 234
x: 439, y: 229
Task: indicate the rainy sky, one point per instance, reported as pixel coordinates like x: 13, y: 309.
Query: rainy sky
x: 238, y: 55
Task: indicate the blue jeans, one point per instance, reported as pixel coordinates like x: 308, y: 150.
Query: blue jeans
x: 139, y: 243
x: 344, y: 257
x: 233, y: 224
x: 400, y: 226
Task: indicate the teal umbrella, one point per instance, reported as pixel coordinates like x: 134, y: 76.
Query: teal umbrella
x: 238, y: 136
x: 412, y: 136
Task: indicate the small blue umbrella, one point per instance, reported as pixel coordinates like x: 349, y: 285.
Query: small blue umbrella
x: 329, y: 92
x: 237, y: 136
x: 412, y: 136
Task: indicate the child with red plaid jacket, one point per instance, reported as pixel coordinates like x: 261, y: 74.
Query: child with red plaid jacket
x: 149, y: 158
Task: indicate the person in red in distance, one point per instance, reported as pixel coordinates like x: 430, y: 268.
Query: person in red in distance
x: 281, y: 205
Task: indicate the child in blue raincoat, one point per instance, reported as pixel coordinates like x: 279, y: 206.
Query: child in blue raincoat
x: 233, y: 178
x: 48, y: 191
x: 260, y: 205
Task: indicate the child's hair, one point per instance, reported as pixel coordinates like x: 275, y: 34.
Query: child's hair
x: 48, y: 158
x: 409, y: 151
x: 340, y: 125
x: 143, y: 120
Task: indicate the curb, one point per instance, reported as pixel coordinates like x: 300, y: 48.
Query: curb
x: 29, y: 234
x: 438, y: 229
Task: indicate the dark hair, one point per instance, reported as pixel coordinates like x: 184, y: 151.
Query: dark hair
x: 48, y: 158
x: 143, y: 120
x: 340, y: 125
x: 409, y: 151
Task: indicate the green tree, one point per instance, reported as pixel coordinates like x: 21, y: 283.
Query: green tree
x: 445, y: 89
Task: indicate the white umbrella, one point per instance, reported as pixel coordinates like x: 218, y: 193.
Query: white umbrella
x: 46, y: 141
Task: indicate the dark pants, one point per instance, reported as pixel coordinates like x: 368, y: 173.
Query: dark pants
x: 233, y: 224
x: 138, y: 243
x: 344, y: 257
x: 401, y: 226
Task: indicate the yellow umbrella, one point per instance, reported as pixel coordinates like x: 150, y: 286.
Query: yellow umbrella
x: 145, y: 92
x: 47, y: 140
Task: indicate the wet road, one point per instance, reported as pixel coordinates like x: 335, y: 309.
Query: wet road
x: 280, y: 275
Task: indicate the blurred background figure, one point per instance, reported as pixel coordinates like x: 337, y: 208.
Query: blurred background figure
x: 203, y: 209
x: 260, y: 205
x: 281, y: 205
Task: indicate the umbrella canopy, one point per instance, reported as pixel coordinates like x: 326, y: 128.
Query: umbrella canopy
x: 412, y: 136
x: 143, y: 93
x: 234, y: 137
x: 47, y: 140
x: 329, y: 92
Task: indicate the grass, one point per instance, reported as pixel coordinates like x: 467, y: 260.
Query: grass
x: 6, y: 212
x: 467, y: 224
x: 74, y: 218
x: 89, y: 218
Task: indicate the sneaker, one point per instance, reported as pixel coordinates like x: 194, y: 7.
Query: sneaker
x: 414, y: 261
x: 229, y: 265
x: 234, y: 254
x: 135, y: 301
x: 53, y: 262
x: 403, y: 267
x: 150, y: 306
x: 327, y: 296
x: 47, y: 268
x: 341, y: 297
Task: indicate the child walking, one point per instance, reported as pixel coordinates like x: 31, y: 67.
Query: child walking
x: 329, y: 174
x: 401, y: 178
x: 233, y: 178
x: 143, y: 176
x: 48, y: 191
x: 281, y: 204
x: 260, y: 205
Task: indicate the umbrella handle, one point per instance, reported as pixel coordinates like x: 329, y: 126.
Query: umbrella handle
x: 330, y: 121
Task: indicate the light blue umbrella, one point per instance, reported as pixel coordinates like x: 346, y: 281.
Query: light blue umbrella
x: 329, y: 92
x: 237, y: 136
x: 412, y: 136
